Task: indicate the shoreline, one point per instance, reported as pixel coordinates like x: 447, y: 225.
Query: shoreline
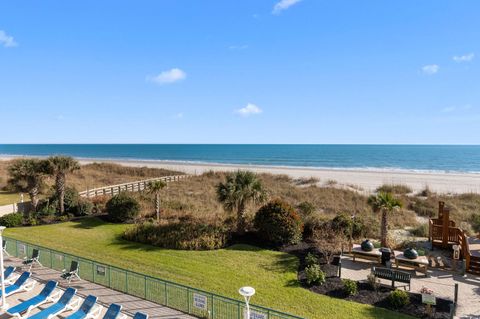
x: 361, y: 180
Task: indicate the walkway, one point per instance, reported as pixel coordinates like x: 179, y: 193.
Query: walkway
x: 105, y: 295
x: 440, y: 281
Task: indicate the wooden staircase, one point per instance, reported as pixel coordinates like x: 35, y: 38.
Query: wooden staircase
x: 443, y: 233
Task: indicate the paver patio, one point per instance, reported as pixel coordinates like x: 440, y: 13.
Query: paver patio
x: 106, y: 296
x: 440, y: 281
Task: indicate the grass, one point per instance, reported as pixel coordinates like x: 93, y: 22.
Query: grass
x: 10, y: 198
x: 273, y: 274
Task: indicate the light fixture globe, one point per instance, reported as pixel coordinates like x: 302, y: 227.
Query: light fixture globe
x: 247, y: 292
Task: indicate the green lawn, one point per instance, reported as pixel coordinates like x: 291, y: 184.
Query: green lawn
x: 10, y: 198
x: 223, y: 271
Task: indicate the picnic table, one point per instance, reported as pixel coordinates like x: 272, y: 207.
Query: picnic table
x: 420, y: 263
x: 374, y: 254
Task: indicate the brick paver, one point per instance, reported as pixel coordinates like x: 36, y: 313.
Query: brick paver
x: 440, y: 281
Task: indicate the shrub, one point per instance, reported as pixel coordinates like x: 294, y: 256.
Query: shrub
x: 188, y: 235
x: 394, y: 189
x: 70, y: 200
x: 306, y: 208
x: 350, y: 287
x: 84, y: 207
x: 420, y: 231
x: 122, y: 208
x: 373, y: 281
x: 398, y: 298
x: 314, y: 275
x: 11, y: 220
x: 311, y: 259
x: 278, y: 223
x: 348, y: 226
x: 475, y: 221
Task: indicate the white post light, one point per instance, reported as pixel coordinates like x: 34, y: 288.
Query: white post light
x: 247, y: 293
x: 4, y: 306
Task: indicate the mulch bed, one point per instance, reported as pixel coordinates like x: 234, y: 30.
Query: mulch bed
x: 333, y: 287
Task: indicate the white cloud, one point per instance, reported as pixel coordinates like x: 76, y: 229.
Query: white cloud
x: 169, y: 76
x: 250, y: 109
x: 450, y: 109
x: 464, y: 58
x: 178, y: 115
x: 430, y: 69
x: 284, y: 5
x: 6, y: 40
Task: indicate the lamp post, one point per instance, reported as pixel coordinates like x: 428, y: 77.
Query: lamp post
x: 247, y: 293
x: 4, y: 306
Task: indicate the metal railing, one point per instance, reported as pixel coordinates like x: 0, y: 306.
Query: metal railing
x: 193, y: 301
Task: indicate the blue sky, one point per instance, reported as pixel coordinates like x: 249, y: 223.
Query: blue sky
x: 252, y: 71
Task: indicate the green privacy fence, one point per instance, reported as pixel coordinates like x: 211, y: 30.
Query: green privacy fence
x: 189, y: 300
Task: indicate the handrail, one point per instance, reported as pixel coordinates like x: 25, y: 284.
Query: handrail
x: 130, y: 186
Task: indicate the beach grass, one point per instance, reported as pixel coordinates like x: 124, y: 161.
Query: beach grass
x: 272, y: 273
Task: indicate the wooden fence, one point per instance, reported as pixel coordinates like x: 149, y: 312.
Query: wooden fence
x: 129, y: 187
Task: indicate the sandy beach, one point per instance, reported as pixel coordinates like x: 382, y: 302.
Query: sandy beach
x: 366, y: 180
x: 362, y: 180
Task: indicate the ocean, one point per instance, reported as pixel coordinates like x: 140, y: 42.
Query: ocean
x: 432, y: 158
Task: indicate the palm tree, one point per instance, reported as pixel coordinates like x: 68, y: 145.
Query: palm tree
x: 27, y: 175
x: 154, y: 187
x: 240, y: 188
x: 385, y: 203
x: 59, y: 166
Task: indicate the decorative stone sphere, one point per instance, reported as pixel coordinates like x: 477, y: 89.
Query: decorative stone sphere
x: 410, y: 253
x: 367, y: 245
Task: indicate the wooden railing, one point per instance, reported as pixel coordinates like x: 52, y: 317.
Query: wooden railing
x: 129, y: 187
x: 465, y: 249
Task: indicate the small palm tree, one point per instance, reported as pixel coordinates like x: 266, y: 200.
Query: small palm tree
x: 59, y: 167
x: 239, y: 189
x: 154, y: 187
x: 27, y: 175
x: 385, y: 203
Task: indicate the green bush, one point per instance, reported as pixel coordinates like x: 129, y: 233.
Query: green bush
x: 70, y: 200
x: 278, y: 223
x: 348, y: 226
x: 84, y: 207
x: 12, y: 220
x: 397, y: 189
x: 311, y: 259
x: 188, y: 235
x: 314, y: 275
x: 398, y: 298
x: 420, y: 231
x: 306, y: 208
x: 122, y: 208
x: 475, y: 221
x: 350, y: 287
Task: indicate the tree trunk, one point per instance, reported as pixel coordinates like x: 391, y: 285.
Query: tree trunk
x: 241, y: 219
x: 60, y: 185
x: 157, y: 206
x: 33, y: 193
x: 384, y: 228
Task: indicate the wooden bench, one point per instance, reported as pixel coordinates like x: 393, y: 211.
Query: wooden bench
x: 393, y: 275
x: 420, y: 263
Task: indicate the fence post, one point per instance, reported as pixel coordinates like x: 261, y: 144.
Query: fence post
x: 126, y: 282
x: 456, y: 295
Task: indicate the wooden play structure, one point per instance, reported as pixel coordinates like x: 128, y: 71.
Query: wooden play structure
x: 444, y: 233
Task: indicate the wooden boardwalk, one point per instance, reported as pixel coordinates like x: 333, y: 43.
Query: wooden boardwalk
x: 106, y: 296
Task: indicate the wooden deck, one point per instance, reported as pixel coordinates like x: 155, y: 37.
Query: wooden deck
x: 106, y: 296
x: 474, y: 246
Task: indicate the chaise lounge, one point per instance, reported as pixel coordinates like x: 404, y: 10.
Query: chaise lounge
x: 65, y: 303
x: 23, y: 309
x: 87, y: 309
x: 22, y: 284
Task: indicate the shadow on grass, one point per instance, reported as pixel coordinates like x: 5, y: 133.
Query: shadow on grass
x: 89, y: 222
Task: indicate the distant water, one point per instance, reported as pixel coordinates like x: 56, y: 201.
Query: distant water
x: 439, y: 158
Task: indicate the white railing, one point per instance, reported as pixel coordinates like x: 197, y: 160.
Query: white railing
x: 129, y: 187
